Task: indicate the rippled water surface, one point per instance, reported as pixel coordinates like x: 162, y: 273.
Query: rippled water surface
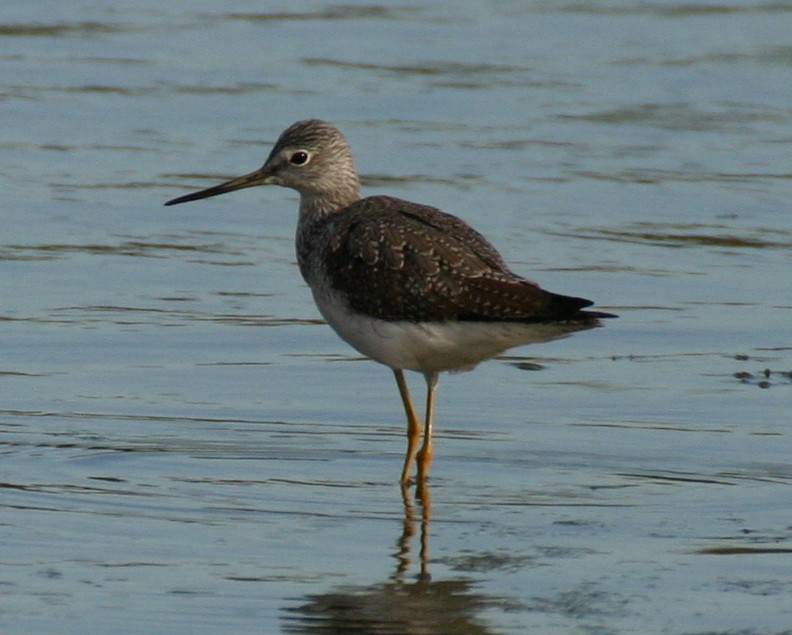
x: 186, y: 448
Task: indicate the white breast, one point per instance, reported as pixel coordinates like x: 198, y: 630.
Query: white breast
x: 429, y: 346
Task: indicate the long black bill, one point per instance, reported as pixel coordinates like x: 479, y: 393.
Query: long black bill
x: 259, y: 177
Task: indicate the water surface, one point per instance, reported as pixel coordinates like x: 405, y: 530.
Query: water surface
x: 186, y: 447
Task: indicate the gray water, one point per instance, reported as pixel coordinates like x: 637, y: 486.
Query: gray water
x: 185, y: 447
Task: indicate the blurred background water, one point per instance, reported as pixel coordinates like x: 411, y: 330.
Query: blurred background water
x: 185, y: 447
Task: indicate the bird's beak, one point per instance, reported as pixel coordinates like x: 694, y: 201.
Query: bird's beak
x: 262, y: 176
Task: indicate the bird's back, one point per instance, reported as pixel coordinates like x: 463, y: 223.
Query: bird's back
x: 400, y: 261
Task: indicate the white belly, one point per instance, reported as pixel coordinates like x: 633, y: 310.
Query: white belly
x: 430, y: 346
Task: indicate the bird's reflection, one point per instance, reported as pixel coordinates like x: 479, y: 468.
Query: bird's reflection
x: 408, y: 532
x: 403, y: 605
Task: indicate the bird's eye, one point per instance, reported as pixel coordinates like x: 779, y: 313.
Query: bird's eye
x: 299, y: 158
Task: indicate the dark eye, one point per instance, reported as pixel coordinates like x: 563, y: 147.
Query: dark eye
x: 298, y: 158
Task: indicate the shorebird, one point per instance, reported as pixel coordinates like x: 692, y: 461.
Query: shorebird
x: 407, y: 285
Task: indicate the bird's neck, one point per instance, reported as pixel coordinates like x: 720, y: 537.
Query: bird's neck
x: 315, y: 212
x: 317, y: 207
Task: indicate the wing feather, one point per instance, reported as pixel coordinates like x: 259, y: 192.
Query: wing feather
x: 398, y: 260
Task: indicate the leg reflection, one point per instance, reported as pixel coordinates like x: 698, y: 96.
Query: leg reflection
x: 417, y: 606
x: 408, y: 531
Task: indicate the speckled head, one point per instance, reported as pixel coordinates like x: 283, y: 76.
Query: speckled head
x: 313, y: 157
x: 310, y: 156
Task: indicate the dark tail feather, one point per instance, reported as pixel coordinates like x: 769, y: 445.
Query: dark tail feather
x: 593, y: 315
x: 570, y: 308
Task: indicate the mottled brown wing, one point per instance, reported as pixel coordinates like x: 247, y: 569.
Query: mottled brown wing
x: 397, y: 260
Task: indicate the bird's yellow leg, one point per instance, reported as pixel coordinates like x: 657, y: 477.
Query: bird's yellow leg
x: 425, y: 454
x: 413, y: 425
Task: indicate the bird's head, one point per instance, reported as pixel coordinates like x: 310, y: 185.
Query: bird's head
x: 310, y: 156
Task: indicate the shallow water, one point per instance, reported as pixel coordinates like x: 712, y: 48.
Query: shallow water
x: 186, y: 447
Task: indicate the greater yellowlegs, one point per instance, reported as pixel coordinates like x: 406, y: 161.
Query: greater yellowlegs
x: 405, y: 284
